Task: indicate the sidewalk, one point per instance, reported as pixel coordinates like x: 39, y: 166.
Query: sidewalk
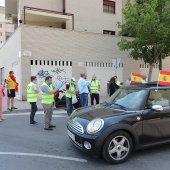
x: 24, y: 106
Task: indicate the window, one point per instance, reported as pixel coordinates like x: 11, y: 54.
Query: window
x: 8, y: 34
x: 160, y: 97
x: 0, y: 33
x: 109, y: 6
x: 0, y: 25
x: 109, y: 32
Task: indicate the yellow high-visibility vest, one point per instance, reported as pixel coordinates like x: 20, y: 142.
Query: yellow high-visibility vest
x: 94, y: 87
x: 47, y: 98
x: 118, y: 83
x: 31, y: 94
x: 71, y: 88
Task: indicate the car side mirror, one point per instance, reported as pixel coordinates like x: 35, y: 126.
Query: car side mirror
x: 157, y: 108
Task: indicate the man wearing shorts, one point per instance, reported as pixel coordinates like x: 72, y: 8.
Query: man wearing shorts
x: 12, y: 87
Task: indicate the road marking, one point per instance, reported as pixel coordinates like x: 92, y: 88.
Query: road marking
x: 60, y: 116
x: 43, y: 155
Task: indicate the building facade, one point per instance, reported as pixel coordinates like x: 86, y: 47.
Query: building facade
x: 63, y: 38
x: 2, y: 26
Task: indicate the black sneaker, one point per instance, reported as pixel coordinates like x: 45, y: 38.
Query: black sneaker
x: 33, y: 123
x: 14, y: 108
x: 48, y: 128
x: 52, y: 126
x: 9, y: 109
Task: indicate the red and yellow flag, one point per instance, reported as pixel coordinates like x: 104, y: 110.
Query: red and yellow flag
x: 136, y: 78
x: 164, y: 78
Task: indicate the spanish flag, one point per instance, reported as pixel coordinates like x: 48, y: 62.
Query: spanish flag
x: 136, y: 78
x: 164, y: 78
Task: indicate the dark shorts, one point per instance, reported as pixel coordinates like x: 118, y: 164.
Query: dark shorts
x: 11, y: 92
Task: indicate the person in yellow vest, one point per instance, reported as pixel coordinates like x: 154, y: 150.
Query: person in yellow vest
x: 32, y: 98
x: 47, y: 91
x: 70, y: 89
x: 94, y: 90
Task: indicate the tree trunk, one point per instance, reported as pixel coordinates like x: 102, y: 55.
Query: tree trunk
x: 150, y: 72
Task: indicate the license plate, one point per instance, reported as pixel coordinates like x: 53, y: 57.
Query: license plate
x: 72, y: 136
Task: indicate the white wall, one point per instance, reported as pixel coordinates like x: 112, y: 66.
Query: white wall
x: 10, y: 59
x: 59, y: 74
x: 103, y: 75
x: 88, y: 14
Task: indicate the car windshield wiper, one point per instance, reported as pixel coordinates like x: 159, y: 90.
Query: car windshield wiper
x: 123, y: 107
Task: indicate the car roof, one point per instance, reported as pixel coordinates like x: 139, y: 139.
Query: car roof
x: 149, y: 86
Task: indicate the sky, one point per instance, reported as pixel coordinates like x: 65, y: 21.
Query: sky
x: 2, y: 2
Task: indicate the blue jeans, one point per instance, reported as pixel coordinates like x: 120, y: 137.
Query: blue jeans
x: 69, y: 105
x: 83, y: 99
x: 33, y: 111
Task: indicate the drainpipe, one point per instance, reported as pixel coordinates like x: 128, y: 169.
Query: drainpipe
x: 64, y: 6
x: 24, y: 16
x: 72, y: 21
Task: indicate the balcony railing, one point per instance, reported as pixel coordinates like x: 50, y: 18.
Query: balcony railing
x: 48, y: 11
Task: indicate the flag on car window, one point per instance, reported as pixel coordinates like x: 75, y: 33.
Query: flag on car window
x: 164, y: 78
x: 136, y: 78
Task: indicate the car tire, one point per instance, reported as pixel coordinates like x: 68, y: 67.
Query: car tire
x: 117, y: 147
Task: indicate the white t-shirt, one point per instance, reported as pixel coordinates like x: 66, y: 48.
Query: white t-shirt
x: 34, y: 87
x: 127, y: 82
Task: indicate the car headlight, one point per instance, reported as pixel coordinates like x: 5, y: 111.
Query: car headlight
x: 95, y: 126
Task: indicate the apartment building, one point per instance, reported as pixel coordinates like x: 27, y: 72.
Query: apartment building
x: 8, y: 24
x: 2, y: 26
x: 63, y: 38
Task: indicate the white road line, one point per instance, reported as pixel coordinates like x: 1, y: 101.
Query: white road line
x: 60, y: 116
x: 43, y: 155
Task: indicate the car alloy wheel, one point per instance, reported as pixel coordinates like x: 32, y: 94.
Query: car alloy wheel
x: 117, y: 147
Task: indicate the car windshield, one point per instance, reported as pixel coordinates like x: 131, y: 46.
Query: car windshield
x: 127, y: 99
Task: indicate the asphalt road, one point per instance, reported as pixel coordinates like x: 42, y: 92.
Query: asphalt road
x: 30, y: 147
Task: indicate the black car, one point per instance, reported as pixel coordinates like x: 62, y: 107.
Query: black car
x: 134, y: 117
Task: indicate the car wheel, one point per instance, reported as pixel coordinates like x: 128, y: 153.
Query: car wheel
x: 117, y: 147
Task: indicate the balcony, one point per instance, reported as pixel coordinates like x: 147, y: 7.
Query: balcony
x: 10, y: 27
x: 37, y: 16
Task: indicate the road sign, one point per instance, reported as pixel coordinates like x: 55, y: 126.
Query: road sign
x: 116, y: 62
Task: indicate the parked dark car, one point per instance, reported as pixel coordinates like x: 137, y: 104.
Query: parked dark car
x: 133, y: 118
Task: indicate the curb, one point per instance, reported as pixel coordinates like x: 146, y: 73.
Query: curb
x: 28, y: 110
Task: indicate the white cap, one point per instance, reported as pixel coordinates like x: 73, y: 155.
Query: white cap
x: 73, y: 79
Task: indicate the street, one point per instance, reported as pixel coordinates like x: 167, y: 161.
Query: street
x: 26, y: 147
